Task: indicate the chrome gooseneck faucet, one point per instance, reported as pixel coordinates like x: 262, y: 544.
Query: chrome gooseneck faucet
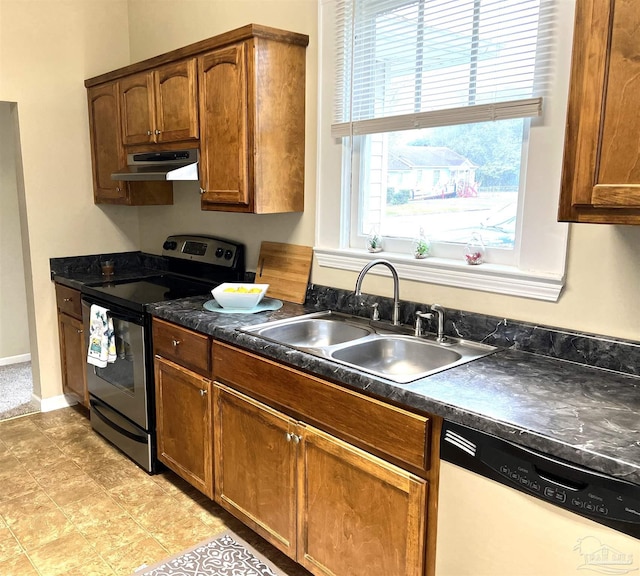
x: 396, y: 286
x: 440, y: 312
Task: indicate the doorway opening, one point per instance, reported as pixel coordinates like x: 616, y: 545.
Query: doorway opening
x: 19, y: 381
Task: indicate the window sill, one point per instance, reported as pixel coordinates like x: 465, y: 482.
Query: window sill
x: 495, y: 278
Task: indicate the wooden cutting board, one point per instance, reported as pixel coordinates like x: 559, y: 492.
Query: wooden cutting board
x: 286, y: 268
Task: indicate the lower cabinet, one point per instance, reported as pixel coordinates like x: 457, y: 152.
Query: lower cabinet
x: 336, y: 509
x: 184, y: 424
x: 301, y: 461
x: 72, y: 355
x: 73, y: 350
x: 357, y: 514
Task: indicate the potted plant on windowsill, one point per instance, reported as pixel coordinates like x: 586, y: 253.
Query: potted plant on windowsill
x: 374, y: 241
x: 421, y: 246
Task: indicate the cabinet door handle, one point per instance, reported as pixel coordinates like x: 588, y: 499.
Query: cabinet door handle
x: 149, y: 132
x: 296, y: 439
x: 203, y: 392
x: 67, y: 299
x: 158, y: 131
x: 79, y: 331
x: 289, y: 436
x: 202, y: 190
x: 175, y: 343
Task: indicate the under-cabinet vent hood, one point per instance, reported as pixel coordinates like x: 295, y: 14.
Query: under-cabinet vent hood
x: 168, y: 165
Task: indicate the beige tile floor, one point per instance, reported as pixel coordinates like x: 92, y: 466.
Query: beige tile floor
x: 72, y: 505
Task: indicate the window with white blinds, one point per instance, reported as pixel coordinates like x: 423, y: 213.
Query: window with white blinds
x: 407, y: 64
x: 435, y: 126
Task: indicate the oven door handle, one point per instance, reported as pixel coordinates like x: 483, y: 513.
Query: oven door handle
x: 116, y: 314
x: 95, y: 406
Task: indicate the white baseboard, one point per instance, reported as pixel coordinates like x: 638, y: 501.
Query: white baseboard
x: 15, y: 359
x: 55, y: 402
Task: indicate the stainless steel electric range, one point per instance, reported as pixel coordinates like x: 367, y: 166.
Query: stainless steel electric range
x: 122, y: 394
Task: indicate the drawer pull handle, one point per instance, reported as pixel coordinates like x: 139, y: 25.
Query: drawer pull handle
x: 203, y: 393
x: 175, y: 343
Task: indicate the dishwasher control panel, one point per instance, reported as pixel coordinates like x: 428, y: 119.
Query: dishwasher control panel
x: 601, y: 498
x: 564, y: 484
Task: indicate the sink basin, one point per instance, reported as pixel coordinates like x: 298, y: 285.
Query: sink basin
x: 374, y: 347
x: 314, y: 333
x: 398, y: 358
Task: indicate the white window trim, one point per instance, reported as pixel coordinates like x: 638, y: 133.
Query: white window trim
x: 540, y: 270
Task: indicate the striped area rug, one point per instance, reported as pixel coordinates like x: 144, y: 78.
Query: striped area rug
x: 223, y: 555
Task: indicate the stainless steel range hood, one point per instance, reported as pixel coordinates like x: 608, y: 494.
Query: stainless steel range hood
x: 168, y: 165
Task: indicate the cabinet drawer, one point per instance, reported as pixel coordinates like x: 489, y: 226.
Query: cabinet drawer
x: 183, y: 346
x: 358, y: 419
x: 68, y: 301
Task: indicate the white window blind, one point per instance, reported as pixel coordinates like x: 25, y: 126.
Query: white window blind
x: 405, y: 64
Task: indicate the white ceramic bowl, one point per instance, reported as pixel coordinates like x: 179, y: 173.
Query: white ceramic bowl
x: 228, y: 296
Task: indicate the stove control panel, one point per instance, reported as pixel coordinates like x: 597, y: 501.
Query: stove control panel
x: 205, y: 249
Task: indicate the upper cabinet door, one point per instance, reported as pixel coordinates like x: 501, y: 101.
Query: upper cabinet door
x: 601, y: 170
x: 222, y: 84
x: 161, y: 105
x: 107, y: 152
x: 176, y: 102
x: 137, y: 105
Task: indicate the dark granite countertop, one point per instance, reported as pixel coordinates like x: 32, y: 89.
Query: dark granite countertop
x: 76, y: 271
x: 571, y: 395
x: 582, y: 414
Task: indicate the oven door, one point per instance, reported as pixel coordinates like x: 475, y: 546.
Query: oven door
x: 122, y: 384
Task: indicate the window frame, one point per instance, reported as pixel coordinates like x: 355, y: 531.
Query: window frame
x: 443, y: 249
x: 539, y: 268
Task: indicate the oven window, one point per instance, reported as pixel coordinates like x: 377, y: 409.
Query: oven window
x: 121, y: 372
x: 121, y: 385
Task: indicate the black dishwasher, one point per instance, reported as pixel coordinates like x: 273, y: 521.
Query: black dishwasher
x: 604, y: 499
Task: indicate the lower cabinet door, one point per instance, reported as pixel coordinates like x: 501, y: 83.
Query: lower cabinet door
x: 255, y: 467
x: 358, y: 515
x: 183, y: 423
x: 73, y: 354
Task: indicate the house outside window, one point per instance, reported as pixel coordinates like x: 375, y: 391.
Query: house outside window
x: 440, y: 111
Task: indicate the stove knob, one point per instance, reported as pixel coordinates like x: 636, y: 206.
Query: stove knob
x: 219, y: 252
x: 170, y: 245
x: 228, y: 255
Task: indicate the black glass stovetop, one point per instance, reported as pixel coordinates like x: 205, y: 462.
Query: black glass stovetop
x: 134, y: 294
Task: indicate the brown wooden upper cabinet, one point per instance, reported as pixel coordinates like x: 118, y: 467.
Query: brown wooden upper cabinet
x: 223, y: 82
x: 160, y: 105
x: 601, y: 169
x: 240, y: 94
x: 108, y: 154
x: 252, y: 114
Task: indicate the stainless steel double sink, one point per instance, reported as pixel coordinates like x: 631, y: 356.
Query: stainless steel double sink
x: 387, y: 351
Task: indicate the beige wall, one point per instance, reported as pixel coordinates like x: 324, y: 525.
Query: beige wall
x: 603, y: 269
x: 195, y: 20
x: 14, y: 325
x: 47, y: 49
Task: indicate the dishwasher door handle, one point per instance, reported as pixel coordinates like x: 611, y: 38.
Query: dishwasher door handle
x: 558, y: 481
